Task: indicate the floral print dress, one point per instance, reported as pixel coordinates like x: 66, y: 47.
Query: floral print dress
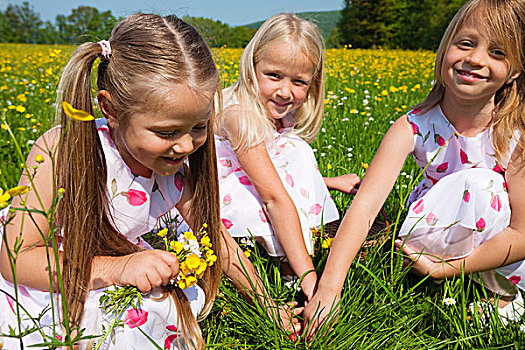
x: 137, y: 205
x: 294, y: 161
x: 462, y: 200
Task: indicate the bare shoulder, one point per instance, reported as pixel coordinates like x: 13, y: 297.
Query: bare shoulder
x: 49, y: 140
x: 229, y: 122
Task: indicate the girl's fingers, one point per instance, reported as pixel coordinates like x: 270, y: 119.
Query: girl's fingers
x: 298, y: 310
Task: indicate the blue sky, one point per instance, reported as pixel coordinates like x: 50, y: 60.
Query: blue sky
x: 228, y: 11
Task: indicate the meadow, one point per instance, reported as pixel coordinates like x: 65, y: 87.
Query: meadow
x: 383, y: 306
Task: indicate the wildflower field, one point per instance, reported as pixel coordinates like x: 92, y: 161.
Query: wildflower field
x: 382, y: 307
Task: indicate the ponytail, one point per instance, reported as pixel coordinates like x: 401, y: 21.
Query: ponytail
x: 160, y: 51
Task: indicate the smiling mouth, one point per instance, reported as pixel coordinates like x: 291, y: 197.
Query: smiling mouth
x: 281, y: 104
x: 173, y: 160
x: 469, y: 75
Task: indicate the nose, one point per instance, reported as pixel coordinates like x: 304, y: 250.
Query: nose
x: 477, y: 56
x: 184, y: 144
x: 284, y: 92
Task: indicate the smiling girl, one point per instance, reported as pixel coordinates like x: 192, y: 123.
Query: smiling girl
x: 120, y: 175
x: 468, y: 213
x: 270, y: 186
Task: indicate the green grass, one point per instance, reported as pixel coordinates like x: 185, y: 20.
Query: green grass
x: 382, y: 306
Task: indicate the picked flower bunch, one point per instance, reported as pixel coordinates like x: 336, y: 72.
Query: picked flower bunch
x: 194, y: 252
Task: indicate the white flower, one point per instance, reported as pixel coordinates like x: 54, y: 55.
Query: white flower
x: 194, y: 247
x: 449, y: 301
x: 323, y: 130
x: 247, y: 241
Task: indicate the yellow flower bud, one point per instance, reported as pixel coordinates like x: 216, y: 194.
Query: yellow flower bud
x: 39, y: 158
x: 16, y: 191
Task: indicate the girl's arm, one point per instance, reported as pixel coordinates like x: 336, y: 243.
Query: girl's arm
x: 277, y: 204
x: 397, y: 144
x: 505, y: 248
x: 347, y: 183
x: 145, y: 270
x: 238, y: 268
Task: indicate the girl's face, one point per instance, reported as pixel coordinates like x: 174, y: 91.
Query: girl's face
x: 284, y: 75
x: 160, y: 139
x: 475, y: 65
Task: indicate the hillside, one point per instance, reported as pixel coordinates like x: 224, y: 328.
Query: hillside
x: 325, y: 20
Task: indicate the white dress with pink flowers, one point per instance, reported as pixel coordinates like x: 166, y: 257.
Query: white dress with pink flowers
x: 294, y: 161
x: 462, y: 200
x: 137, y: 206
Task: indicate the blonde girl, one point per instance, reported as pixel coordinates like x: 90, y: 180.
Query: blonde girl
x: 468, y: 212
x: 270, y: 186
x: 120, y: 175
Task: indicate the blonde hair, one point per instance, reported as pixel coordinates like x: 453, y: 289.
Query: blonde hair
x: 149, y: 54
x: 255, y: 125
x: 504, y: 20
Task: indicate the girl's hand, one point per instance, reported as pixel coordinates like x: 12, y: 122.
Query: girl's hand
x: 317, y: 311
x: 309, y: 285
x: 347, y: 183
x: 147, y: 269
x: 289, y: 321
x: 419, y: 263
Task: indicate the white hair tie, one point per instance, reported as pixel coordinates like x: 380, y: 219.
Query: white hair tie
x: 106, y: 48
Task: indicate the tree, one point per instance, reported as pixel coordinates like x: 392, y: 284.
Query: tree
x: 214, y: 32
x: 368, y: 23
x: 405, y: 24
x: 23, y: 23
x: 85, y: 23
x: 240, y: 36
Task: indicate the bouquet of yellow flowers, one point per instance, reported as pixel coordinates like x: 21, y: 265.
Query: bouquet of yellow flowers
x: 194, y: 252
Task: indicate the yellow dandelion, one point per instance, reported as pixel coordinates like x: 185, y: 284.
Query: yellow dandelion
x: 4, y: 197
x: 364, y: 165
x: 184, y: 268
x: 182, y: 284
x: 176, y: 246
x: 189, y: 235
x: 39, y: 158
x: 190, y: 281
x: 193, y: 261
x: 205, y: 242
x: 20, y: 109
x: 163, y: 232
